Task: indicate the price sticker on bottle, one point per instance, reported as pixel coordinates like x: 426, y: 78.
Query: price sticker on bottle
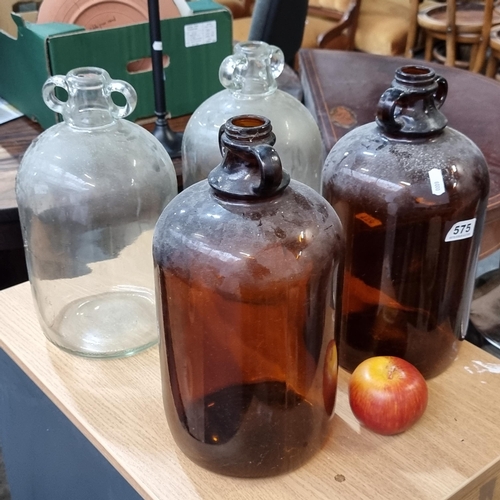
x: 368, y: 219
x: 461, y: 230
x: 437, y: 182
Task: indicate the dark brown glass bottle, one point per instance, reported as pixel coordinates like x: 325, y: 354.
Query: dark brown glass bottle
x: 245, y: 266
x: 411, y: 194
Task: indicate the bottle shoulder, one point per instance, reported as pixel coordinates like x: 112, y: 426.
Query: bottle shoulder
x: 367, y: 154
x: 433, y: 172
x: 207, y: 224
x: 278, y: 106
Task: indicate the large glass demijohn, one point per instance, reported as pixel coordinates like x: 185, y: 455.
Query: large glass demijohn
x: 90, y: 190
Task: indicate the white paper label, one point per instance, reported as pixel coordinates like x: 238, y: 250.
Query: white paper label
x: 437, y: 183
x: 200, y: 33
x: 461, y: 230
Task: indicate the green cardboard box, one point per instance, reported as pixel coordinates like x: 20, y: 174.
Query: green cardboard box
x: 195, y: 45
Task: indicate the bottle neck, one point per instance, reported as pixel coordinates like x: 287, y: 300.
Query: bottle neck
x: 89, y: 103
x: 411, y: 107
x: 89, y: 108
x: 252, y: 70
x: 257, y: 80
x: 251, y: 169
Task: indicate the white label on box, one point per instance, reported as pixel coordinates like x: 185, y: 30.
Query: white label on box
x: 461, y: 230
x: 437, y: 183
x: 200, y: 33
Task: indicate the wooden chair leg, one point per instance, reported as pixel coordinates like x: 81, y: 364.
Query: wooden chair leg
x: 429, y: 43
x: 478, y: 58
x: 474, y: 59
x: 451, y: 33
x: 411, y: 39
x: 477, y: 63
x: 410, y: 43
x: 451, y: 50
x: 491, y: 66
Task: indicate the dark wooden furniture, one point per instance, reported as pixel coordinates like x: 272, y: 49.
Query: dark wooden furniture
x: 331, y: 27
x: 462, y: 27
x: 342, y: 90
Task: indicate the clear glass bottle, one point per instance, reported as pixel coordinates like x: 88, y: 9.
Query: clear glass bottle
x: 249, y: 77
x: 411, y: 194
x: 245, y: 264
x: 90, y: 190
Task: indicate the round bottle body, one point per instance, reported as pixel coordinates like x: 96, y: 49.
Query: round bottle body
x: 89, y: 197
x: 248, y: 349
x: 412, y: 212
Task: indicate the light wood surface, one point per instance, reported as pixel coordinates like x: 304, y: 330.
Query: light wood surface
x: 452, y: 452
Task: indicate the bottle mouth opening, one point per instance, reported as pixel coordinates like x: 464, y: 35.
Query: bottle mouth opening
x: 249, y: 127
x: 88, y: 77
x: 415, y: 74
x: 248, y: 121
x: 251, y: 46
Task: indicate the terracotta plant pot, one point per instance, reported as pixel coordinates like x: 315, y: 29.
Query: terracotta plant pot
x: 95, y: 14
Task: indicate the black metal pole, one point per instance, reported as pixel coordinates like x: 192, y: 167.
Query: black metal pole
x: 170, y: 140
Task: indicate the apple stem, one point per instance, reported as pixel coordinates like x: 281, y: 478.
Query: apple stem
x: 392, y: 369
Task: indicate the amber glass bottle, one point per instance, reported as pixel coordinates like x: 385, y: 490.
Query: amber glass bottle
x: 245, y: 266
x: 411, y: 194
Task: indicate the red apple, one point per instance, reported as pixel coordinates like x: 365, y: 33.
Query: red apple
x: 387, y: 394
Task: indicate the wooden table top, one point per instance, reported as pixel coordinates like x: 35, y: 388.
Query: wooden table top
x: 453, y: 452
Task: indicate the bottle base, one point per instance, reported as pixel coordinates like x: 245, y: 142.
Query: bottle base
x: 251, y: 430
x: 113, y: 324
